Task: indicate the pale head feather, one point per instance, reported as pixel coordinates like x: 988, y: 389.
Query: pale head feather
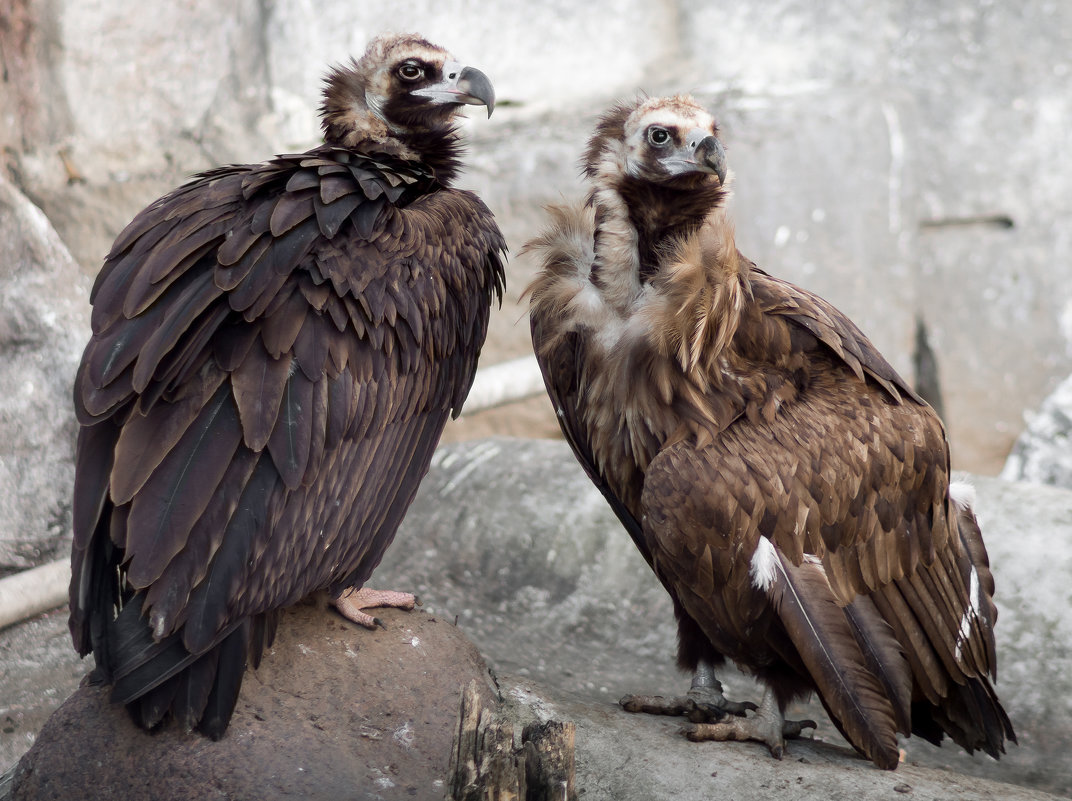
x: 355, y: 94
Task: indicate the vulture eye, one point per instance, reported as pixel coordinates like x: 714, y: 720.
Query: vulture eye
x: 658, y: 136
x: 409, y: 71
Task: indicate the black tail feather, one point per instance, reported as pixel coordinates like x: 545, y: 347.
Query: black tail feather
x: 139, y: 663
x: 228, y: 681
x: 971, y: 715
x: 149, y: 710
x: 194, y: 685
x: 154, y: 678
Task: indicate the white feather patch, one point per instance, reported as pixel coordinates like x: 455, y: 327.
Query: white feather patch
x: 764, y: 564
x: 971, y: 614
x: 962, y: 494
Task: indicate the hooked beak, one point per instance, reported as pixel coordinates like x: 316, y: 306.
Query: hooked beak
x: 701, y: 152
x: 711, y: 157
x: 461, y: 84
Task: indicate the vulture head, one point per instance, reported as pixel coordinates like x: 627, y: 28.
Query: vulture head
x: 670, y: 141
x: 401, y: 97
x: 657, y: 165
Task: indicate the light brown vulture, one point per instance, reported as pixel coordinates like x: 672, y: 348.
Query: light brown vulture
x: 276, y: 349
x: 788, y: 488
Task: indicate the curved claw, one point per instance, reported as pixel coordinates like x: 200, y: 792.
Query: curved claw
x: 767, y: 726
x: 352, y: 603
x: 792, y: 729
x: 709, y: 704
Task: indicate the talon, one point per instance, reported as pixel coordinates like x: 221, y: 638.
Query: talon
x: 792, y: 729
x: 767, y: 725
x: 352, y: 603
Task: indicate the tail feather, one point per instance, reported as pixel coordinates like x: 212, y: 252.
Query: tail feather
x: 228, y: 681
x: 138, y: 662
x: 149, y: 710
x: 194, y: 685
x: 971, y: 715
x: 822, y: 634
x: 156, y: 678
x: 884, y: 657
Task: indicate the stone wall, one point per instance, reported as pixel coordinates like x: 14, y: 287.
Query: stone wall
x: 906, y: 160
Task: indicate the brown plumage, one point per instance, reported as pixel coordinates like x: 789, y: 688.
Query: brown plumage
x: 276, y: 349
x: 787, y: 487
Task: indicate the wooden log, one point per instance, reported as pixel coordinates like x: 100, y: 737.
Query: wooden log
x: 487, y: 765
x: 549, y: 761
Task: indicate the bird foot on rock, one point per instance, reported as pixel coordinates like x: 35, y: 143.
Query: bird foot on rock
x: 351, y: 603
x: 709, y: 701
x: 699, y: 705
x: 704, y: 702
x: 767, y: 725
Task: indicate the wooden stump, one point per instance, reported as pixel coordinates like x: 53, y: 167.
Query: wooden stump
x: 486, y: 765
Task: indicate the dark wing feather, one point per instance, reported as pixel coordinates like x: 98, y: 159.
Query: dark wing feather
x: 884, y: 657
x: 183, y: 311
x: 210, y: 609
x: 91, y: 550
x: 831, y: 327
x: 291, y: 438
x: 164, y: 510
x: 291, y: 209
x: 282, y: 323
x: 331, y: 217
x: 169, y: 596
x: 231, y: 274
x: 146, y: 439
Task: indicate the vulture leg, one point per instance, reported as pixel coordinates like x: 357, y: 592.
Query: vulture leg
x: 768, y: 726
x: 703, y: 703
x: 351, y: 603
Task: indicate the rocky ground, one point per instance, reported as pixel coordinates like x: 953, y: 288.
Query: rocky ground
x: 509, y: 542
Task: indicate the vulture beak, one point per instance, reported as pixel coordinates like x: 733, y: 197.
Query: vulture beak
x: 700, y: 152
x: 711, y: 157
x: 461, y: 84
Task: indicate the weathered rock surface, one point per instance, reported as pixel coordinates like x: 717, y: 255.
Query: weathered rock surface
x: 1043, y: 452
x: 623, y: 757
x: 43, y: 326
x: 38, y: 670
x: 509, y: 538
x: 333, y: 712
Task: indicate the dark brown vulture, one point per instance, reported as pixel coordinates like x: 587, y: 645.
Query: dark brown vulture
x: 276, y: 349
x: 787, y: 487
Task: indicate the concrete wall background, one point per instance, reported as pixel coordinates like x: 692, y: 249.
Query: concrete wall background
x: 881, y: 147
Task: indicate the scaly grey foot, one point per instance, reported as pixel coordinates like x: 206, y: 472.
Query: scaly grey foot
x: 703, y: 703
x: 351, y: 603
x: 767, y: 725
